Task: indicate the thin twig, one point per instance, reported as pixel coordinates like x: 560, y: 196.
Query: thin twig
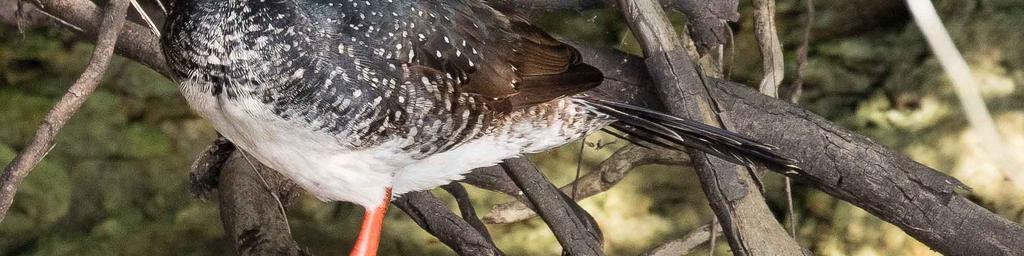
x: 794, y: 97
x: 59, y: 20
x: 145, y: 17
x: 683, y: 246
x: 42, y: 141
x: 607, y: 174
x: 579, y: 166
x: 966, y: 89
x: 714, y: 236
x: 801, y: 56
x: 266, y: 185
x: 160, y: 3
x: 771, y: 48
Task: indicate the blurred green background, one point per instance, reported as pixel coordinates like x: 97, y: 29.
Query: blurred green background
x: 115, y: 184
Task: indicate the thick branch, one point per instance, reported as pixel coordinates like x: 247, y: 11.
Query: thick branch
x: 579, y: 235
x: 749, y: 226
x: 136, y: 42
x: 42, y: 141
x: 249, y: 210
x: 851, y: 167
x: 435, y: 217
x: 466, y: 208
x: 706, y: 18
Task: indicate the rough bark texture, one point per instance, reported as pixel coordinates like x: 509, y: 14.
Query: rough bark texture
x: 749, y: 225
x: 607, y: 174
x: 252, y: 217
x: 915, y: 198
x: 42, y: 141
x: 575, y: 229
x: 434, y: 216
x: 920, y: 200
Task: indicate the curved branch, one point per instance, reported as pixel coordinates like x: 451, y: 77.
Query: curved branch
x: 435, y: 217
x: 574, y: 228
x: 749, y: 226
x: 920, y: 200
x: 42, y: 141
x: 837, y: 161
x: 609, y: 172
x: 250, y: 213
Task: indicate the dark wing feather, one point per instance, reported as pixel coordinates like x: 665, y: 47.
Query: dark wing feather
x: 505, y: 60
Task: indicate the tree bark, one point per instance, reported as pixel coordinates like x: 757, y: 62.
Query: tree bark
x: 251, y: 215
x: 851, y: 167
x: 749, y: 226
x: 433, y: 215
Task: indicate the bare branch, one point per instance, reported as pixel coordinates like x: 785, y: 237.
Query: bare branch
x: 435, y: 217
x: 684, y: 245
x: 466, y: 208
x: 574, y: 228
x: 206, y: 169
x: 608, y: 174
x: 42, y: 141
x: 771, y: 48
x: 749, y: 226
x: 250, y: 213
x: 967, y: 90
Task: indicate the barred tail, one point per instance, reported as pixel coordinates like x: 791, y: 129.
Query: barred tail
x: 648, y: 127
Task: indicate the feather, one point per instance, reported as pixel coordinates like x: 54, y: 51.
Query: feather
x: 668, y: 131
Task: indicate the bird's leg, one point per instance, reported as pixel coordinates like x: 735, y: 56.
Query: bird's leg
x: 369, y: 234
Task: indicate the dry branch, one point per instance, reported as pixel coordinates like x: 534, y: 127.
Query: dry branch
x: 771, y: 48
x: 435, y: 217
x: 851, y: 167
x: 921, y: 201
x: 684, y: 245
x: 42, y: 141
x: 967, y: 90
x: 608, y: 173
x: 574, y: 228
x: 749, y: 226
x: 250, y: 213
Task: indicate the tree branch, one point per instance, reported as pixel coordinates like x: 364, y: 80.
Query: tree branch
x: 684, y: 245
x: 609, y: 172
x: 466, y: 208
x: 921, y: 201
x: 749, y: 226
x: 135, y: 41
x: 574, y: 228
x: 849, y: 166
x: 435, y: 217
x: 250, y: 212
x: 42, y: 141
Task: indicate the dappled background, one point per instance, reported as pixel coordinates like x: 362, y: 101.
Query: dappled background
x: 116, y: 182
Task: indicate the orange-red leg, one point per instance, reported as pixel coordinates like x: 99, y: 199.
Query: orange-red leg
x: 369, y: 234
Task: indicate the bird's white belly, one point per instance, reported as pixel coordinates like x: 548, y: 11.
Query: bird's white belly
x: 324, y: 165
x: 320, y: 163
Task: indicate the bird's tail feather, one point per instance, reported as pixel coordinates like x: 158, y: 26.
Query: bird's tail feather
x: 651, y: 128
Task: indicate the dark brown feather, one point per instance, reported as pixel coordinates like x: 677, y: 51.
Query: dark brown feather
x: 503, y: 59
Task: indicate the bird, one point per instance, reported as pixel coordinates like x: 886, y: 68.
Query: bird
x: 362, y: 101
